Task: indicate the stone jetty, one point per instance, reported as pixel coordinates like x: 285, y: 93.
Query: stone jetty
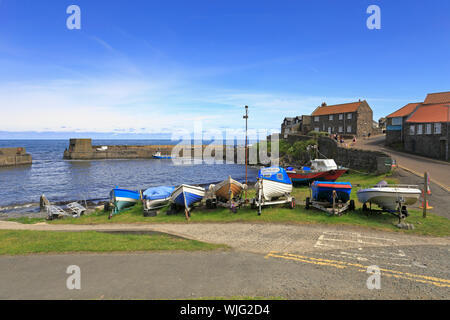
x: 82, y: 149
x: 14, y: 157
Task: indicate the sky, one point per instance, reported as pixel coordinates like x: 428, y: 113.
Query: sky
x: 143, y: 68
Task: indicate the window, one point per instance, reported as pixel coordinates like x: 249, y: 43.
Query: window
x: 349, y: 129
x: 341, y: 129
x: 316, y: 129
x: 329, y: 130
x: 437, y: 128
x: 349, y: 116
x: 341, y: 117
x: 419, y: 129
x: 412, y: 130
x: 330, y: 117
x: 397, y: 121
x: 428, y: 128
x: 316, y: 119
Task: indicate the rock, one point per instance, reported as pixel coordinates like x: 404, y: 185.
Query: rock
x: 405, y: 226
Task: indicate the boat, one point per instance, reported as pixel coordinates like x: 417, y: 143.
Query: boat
x: 320, y: 170
x: 273, y: 182
x: 158, y: 155
x: 186, y: 195
x: 156, y: 197
x: 227, y: 189
x: 331, y: 191
x: 123, y: 198
x: 389, y: 196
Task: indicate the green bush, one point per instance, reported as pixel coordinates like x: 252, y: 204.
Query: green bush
x: 316, y: 134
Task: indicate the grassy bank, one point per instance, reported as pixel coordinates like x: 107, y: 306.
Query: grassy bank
x: 33, y: 242
x: 434, y: 225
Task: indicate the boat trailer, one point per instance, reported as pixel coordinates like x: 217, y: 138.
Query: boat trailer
x: 331, y: 208
x: 401, y: 213
x: 261, y: 202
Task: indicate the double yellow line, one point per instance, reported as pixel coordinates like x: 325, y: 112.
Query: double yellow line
x: 361, y: 268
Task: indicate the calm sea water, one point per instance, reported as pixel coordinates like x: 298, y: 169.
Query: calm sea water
x: 62, y: 180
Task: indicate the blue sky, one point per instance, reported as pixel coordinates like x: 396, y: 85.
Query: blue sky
x: 148, y: 67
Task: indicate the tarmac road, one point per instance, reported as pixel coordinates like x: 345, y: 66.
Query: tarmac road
x: 269, y: 260
x: 439, y: 170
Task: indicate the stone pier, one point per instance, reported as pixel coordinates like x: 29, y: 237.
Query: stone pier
x: 14, y: 157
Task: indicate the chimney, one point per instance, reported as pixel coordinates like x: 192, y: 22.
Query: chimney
x: 324, y: 104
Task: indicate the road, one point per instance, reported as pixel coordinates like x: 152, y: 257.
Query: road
x: 439, y: 170
x: 268, y: 260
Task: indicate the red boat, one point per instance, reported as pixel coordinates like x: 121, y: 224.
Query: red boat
x: 321, y: 170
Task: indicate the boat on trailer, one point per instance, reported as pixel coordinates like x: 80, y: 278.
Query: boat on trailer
x: 320, y: 170
x: 392, y: 198
x: 122, y: 199
x: 186, y: 195
x: 225, y: 194
x: 156, y: 198
x: 273, y: 183
x: 331, y: 197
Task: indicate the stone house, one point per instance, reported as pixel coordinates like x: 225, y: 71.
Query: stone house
x: 349, y: 119
x: 422, y: 128
x: 290, y: 125
x: 396, y: 124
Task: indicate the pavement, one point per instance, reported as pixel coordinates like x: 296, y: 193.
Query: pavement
x: 268, y: 260
x: 439, y: 170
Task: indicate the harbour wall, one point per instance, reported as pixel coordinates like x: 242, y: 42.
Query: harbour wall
x: 364, y: 160
x: 82, y: 149
x: 14, y: 157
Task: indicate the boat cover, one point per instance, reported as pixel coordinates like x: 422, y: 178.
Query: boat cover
x: 276, y: 174
x: 157, y: 193
x: 382, y: 183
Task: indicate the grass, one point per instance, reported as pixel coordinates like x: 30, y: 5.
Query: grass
x: 433, y: 226
x: 27, y: 220
x: 33, y: 242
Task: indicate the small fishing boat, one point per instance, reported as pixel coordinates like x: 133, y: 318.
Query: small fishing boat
x: 158, y: 155
x: 227, y: 189
x: 331, y: 191
x: 273, y: 183
x: 320, y: 170
x: 156, y: 197
x: 123, y: 198
x: 390, y: 196
x: 186, y: 195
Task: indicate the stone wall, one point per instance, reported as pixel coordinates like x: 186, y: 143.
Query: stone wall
x: 429, y: 145
x: 363, y: 160
x: 14, y: 157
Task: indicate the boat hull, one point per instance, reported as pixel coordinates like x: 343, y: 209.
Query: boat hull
x: 305, y: 177
x: 273, y: 189
x: 388, y: 198
x: 122, y: 199
x: 323, y: 191
x: 186, y: 196
x: 228, y: 189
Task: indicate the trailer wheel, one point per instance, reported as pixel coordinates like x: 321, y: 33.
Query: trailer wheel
x: 352, y: 205
x: 405, y: 212
x: 308, y: 202
x: 292, y: 204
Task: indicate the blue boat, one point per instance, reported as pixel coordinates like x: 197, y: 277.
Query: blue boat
x: 158, y: 155
x: 323, y: 191
x: 123, y: 198
x: 157, y: 197
x: 185, y: 195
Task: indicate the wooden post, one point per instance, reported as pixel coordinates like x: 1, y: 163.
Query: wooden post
x: 246, y: 148
x: 425, y: 191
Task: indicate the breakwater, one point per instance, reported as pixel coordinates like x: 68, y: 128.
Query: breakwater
x: 14, y: 157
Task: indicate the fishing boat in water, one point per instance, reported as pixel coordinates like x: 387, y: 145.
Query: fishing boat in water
x: 123, y: 198
x: 158, y: 155
x: 186, y: 195
x: 320, y: 170
x: 156, y: 197
x: 389, y: 197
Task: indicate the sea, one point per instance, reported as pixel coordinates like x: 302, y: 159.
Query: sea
x: 92, y: 180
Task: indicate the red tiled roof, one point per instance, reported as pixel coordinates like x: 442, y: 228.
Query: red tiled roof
x: 431, y: 113
x: 439, y: 97
x: 405, y: 111
x: 338, y: 108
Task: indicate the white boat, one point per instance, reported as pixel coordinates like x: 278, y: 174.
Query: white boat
x: 273, y: 183
x: 388, y: 197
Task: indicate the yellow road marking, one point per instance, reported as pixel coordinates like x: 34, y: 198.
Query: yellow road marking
x: 443, y: 186
x: 361, y: 268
